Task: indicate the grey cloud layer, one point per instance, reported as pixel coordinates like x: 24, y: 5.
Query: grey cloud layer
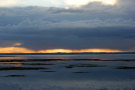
x: 92, y: 26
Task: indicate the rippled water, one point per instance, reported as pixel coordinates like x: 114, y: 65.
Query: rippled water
x: 68, y: 72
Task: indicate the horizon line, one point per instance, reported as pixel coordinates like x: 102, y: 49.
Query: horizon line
x: 75, y: 53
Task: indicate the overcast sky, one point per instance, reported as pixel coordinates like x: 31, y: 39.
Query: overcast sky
x: 67, y: 24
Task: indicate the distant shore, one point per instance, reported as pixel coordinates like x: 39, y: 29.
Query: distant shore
x: 66, y: 53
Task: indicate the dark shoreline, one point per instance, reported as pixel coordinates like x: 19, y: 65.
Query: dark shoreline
x: 37, y: 60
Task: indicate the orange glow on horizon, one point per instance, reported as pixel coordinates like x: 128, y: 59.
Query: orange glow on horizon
x: 55, y: 51
x: 15, y: 50
x: 26, y: 50
x: 78, y: 51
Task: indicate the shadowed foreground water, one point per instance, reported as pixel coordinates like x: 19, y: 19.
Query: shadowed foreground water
x: 68, y: 72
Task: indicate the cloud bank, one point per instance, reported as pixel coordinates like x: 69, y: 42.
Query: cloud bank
x: 91, y: 26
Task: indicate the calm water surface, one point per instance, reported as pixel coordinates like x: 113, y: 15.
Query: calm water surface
x: 68, y: 72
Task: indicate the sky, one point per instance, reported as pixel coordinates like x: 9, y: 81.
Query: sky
x: 52, y: 3
x: 42, y: 26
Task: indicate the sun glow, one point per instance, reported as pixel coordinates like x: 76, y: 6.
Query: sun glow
x: 79, y: 3
x: 26, y: 50
x: 56, y: 51
x: 77, y: 51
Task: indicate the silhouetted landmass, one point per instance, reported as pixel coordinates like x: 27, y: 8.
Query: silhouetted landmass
x: 21, y: 68
x: 45, y: 60
x: 125, y: 67
x: 36, y: 64
x: 80, y: 72
x: 84, y: 65
x: 15, y: 76
x: 48, y: 71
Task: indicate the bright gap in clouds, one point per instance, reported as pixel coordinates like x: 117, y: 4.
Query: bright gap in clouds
x: 8, y: 3
x: 53, y: 3
x: 79, y: 3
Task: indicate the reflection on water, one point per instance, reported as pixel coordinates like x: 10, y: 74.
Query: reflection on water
x: 87, y: 56
x: 83, y: 56
x: 68, y: 72
x: 11, y: 57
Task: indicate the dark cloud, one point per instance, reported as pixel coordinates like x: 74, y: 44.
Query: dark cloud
x: 73, y: 38
x: 91, y: 26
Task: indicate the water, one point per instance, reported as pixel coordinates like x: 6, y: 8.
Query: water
x: 68, y: 72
